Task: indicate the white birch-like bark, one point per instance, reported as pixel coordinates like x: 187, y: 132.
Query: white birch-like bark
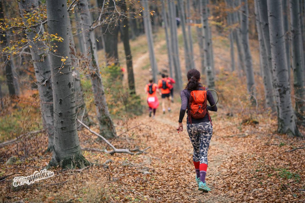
x: 42, y: 66
x: 297, y: 54
x: 107, y: 128
x: 148, y: 31
x: 168, y: 41
x: 67, y: 150
x: 267, y: 78
x: 244, y: 29
x: 174, y: 42
x: 286, y: 117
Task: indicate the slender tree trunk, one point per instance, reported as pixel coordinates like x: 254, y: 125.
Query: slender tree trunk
x: 231, y: 37
x: 128, y: 55
x: 244, y: 29
x: 263, y: 17
x: 238, y: 38
x: 1, y: 97
x: 200, y: 36
x: 287, y: 34
x: 6, y: 59
x: 189, y: 32
x: 297, y: 54
x: 79, y: 33
x: 107, y: 128
x: 188, y: 57
x: 207, y: 44
x: 67, y: 151
x: 42, y: 68
x: 81, y: 110
x: 110, y: 31
x: 264, y: 62
x: 286, y: 116
x: 148, y: 31
x: 174, y: 42
x: 168, y: 42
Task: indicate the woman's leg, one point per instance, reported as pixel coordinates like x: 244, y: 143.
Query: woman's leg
x: 206, y: 130
x: 154, y: 111
x: 194, y: 137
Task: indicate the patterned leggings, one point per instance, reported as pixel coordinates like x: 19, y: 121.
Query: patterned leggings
x: 200, y: 135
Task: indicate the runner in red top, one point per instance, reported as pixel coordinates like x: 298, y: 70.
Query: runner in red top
x: 171, y: 82
x: 152, y: 99
x: 165, y: 90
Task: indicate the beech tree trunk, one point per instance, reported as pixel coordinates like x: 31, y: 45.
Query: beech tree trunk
x: 231, y: 35
x: 189, y: 32
x: 263, y: 17
x: 67, y: 151
x: 174, y: 43
x: 107, y: 128
x: 128, y: 55
x: 200, y: 35
x: 79, y: 33
x: 297, y: 54
x: 238, y: 39
x: 42, y: 66
x: 81, y: 110
x: 286, y: 117
x: 168, y: 41
x: 287, y: 34
x: 9, y: 73
x: 110, y: 31
x: 148, y: 31
x: 209, y: 64
x: 188, y: 57
x: 267, y: 78
x: 244, y: 29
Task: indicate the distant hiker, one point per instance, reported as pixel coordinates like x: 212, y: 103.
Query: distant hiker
x: 165, y: 92
x: 171, y: 82
x: 199, y: 124
x: 152, y: 99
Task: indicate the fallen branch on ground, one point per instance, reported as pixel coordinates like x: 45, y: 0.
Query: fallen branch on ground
x: 295, y: 149
x: 115, y: 150
x: 3, y: 144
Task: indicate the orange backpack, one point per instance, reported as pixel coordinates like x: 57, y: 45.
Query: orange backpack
x: 198, y: 103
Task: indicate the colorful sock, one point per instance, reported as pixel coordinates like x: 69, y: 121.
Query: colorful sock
x: 196, y: 164
x: 203, y: 171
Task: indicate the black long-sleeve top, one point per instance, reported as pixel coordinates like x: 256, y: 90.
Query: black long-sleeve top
x: 185, y: 95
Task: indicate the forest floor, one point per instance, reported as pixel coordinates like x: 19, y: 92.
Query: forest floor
x: 248, y: 161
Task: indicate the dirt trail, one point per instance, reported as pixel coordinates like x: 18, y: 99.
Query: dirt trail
x: 175, y: 149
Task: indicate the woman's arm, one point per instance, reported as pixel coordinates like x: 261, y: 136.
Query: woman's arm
x: 210, y: 98
x: 183, y: 108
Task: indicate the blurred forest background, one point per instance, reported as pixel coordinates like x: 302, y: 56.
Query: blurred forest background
x: 72, y: 99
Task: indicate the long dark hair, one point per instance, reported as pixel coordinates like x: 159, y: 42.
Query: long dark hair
x: 193, y: 77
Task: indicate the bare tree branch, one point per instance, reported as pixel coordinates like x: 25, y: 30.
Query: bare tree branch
x: 71, y: 5
x: 115, y: 150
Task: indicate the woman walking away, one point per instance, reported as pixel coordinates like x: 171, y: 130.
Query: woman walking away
x: 199, y: 124
x: 152, y: 98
